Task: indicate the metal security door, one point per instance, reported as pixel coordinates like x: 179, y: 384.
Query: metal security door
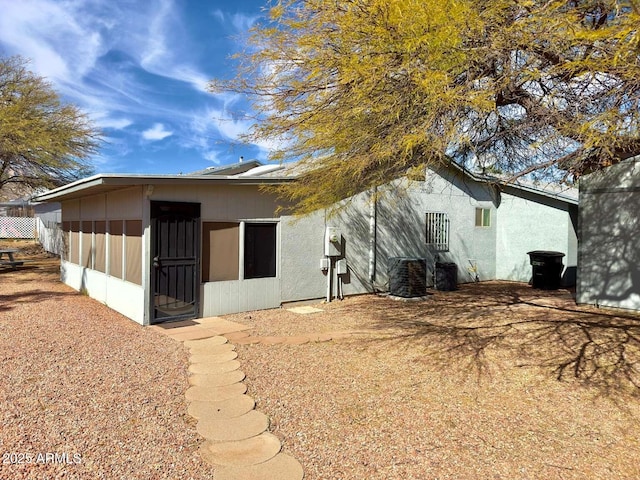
x: 175, y: 234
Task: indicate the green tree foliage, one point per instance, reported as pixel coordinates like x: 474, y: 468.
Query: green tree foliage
x: 43, y: 142
x: 366, y: 90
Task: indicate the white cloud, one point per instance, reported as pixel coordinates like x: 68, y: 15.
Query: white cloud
x: 157, y: 132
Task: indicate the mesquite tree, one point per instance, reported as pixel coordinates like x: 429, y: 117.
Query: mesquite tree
x: 364, y: 91
x: 44, y: 143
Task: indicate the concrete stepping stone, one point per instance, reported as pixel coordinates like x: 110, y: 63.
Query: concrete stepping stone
x: 213, y: 357
x: 235, y: 335
x: 216, y: 379
x: 249, y: 451
x: 216, y: 349
x: 247, y: 340
x: 301, y: 340
x: 215, y: 394
x: 280, y: 467
x: 271, y: 340
x: 207, y: 342
x: 230, y: 408
x: 230, y: 429
x: 224, y: 367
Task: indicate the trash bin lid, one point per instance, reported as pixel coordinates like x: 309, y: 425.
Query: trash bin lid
x: 545, y: 253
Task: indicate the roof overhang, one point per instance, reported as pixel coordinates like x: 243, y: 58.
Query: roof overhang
x: 103, y: 183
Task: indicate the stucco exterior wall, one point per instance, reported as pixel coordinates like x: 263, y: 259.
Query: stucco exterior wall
x: 527, y: 222
x: 609, y: 228
x: 401, y: 224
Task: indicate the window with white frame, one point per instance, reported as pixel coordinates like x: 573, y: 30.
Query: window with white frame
x: 483, y: 217
x: 437, y: 230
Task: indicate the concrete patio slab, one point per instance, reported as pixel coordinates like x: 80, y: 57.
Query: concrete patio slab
x: 216, y: 379
x: 280, y: 467
x: 191, y: 333
x: 250, y: 451
x: 215, y: 394
x: 230, y: 408
x: 231, y: 429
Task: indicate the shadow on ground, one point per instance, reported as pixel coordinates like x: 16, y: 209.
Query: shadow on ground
x: 479, y: 327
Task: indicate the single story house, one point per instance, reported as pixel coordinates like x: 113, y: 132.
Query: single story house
x: 609, y: 257
x: 164, y: 247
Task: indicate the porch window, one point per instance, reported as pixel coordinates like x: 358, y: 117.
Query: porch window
x: 133, y: 251
x: 100, y: 252
x: 87, y: 247
x: 259, y: 250
x: 220, y: 251
x: 437, y: 230
x: 116, y: 232
x: 483, y: 217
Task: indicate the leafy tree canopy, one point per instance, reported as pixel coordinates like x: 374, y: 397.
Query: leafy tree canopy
x: 43, y: 142
x: 367, y: 90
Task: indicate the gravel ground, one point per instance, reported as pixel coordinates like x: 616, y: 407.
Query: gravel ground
x: 85, y: 392
x: 493, y: 381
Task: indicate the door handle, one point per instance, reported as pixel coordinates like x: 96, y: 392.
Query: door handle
x: 156, y: 262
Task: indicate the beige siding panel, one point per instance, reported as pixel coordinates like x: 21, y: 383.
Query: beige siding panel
x: 70, y: 210
x: 125, y: 204
x: 93, y: 208
x: 221, y: 203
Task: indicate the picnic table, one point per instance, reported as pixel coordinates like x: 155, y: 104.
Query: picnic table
x: 9, y: 261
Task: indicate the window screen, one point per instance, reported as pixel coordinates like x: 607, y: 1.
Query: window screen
x: 100, y: 252
x: 437, y: 231
x: 259, y: 250
x: 220, y: 251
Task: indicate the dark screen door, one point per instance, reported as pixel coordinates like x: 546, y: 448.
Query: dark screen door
x: 175, y: 235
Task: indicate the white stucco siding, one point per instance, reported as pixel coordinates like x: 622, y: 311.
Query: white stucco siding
x: 302, y: 249
x: 523, y: 225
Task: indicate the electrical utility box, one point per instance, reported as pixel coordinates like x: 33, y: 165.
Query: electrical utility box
x: 341, y: 267
x: 332, y: 242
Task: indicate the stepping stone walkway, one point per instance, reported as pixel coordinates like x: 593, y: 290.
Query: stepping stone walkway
x: 237, y: 441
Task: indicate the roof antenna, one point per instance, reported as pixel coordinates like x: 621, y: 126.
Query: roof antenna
x: 241, y: 159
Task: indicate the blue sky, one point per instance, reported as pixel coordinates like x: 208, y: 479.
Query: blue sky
x: 139, y: 68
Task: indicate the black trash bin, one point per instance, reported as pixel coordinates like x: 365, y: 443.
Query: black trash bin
x: 446, y: 276
x: 547, y: 269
